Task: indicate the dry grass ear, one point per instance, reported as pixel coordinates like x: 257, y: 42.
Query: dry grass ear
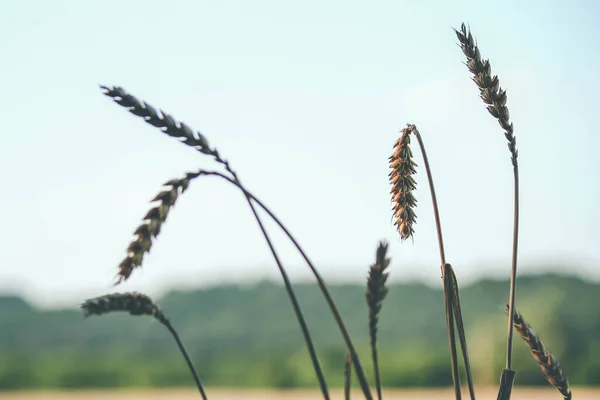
x: 489, y: 87
x: 403, y: 184
x: 152, y: 224
x: 159, y: 119
x: 548, y: 364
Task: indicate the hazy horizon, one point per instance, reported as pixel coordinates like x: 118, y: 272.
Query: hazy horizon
x: 305, y: 101
x: 429, y: 277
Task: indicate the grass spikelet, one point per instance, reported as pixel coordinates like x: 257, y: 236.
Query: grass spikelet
x: 401, y: 178
x: 139, y: 304
x: 159, y: 119
x: 548, y: 364
x: 152, y: 224
x: 376, y: 292
x: 489, y: 87
x: 133, y: 303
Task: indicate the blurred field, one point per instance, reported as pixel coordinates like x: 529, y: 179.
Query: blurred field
x: 227, y: 394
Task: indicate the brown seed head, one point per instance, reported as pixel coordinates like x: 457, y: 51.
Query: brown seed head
x: 401, y: 178
x: 548, y: 364
x: 151, y: 225
x: 489, y: 87
x: 165, y: 122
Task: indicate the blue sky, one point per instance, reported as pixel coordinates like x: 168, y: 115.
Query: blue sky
x: 305, y: 99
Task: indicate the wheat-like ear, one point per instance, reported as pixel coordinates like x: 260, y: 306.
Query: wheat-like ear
x: 403, y: 184
x: 152, y: 224
x: 376, y: 292
x: 138, y: 304
x: 548, y: 364
x: 159, y: 119
x: 134, y: 303
x: 489, y: 87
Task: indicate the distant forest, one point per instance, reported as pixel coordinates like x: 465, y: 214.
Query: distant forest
x: 248, y: 336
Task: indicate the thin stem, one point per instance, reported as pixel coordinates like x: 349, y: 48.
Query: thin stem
x: 438, y: 224
x: 355, y: 358
x: 295, y: 304
x: 166, y: 323
x: 447, y: 289
x: 376, y: 369
x: 450, y: 287
x: 513, y: 274
x: 453, y: 352
x: 287, y: 283
x: 347, y: 376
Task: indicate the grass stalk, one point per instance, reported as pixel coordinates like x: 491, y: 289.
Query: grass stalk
x: 495, y: 99
x: 361, y: 376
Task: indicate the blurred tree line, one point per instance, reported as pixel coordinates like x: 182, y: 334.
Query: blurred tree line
x: 248, y: 336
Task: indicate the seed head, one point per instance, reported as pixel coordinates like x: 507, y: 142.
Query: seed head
x: 489, y: 87
x: 151, y: 225
x: 401, y: 178
x: 548, y: 364
x: 134, y: 303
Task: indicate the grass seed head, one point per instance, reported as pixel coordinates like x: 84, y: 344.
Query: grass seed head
x: 489, y: 87
x: 151, y: 225
x: 376, y: 282
x: 403, y: 184
x: 133, y: 303
x: 165, y: 122
x: 548, y: 364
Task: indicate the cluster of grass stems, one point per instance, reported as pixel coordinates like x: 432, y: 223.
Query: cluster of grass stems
x: 403, y: 184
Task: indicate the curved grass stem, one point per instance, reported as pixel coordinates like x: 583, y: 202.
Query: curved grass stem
x: 188, y: 361
x: 451, y: 298
x: 287, y: 283
x: 361, y: 376
x: 293, y: 299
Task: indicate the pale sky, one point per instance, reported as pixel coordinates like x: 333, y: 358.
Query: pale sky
x: 306, y: 100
